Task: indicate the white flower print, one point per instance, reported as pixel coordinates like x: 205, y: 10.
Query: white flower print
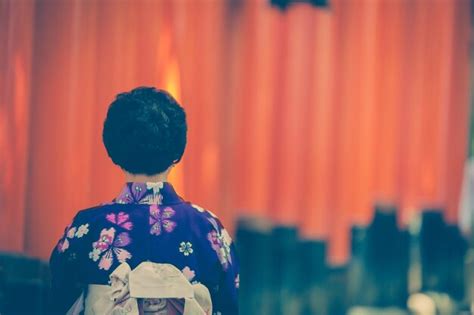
x: 82, y: 230
x: 156, y: 197
x: 95, y: 254
x: 186, y: 248
x: 226, y: 237
x: 237, y: 281
x: 155, y: 186
x: 152, y: 199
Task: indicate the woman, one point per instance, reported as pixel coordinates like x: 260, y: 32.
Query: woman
x: 145, y: 134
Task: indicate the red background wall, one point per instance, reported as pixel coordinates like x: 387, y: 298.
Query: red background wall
x: 306, y: 116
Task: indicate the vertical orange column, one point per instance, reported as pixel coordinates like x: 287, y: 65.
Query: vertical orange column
x: 431, y: 175
x: 62, y: 109
x: 458, y: 108
x: 255, y: 110
x: 291, y: 132
x: 432, y: 102
x: 16, y: 35
x: 388, y: 100
x: 210, y: 109
x: 418, y: 17
x: 316, y: 190
x: 341, y: 130
x: 367, y: 79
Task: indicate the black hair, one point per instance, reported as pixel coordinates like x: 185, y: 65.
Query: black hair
x: 145, y: 131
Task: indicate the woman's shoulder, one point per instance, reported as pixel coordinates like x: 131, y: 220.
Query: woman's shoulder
x: 198, y: 211
x: 94, y: 211
x: 90, y: 221
x: 198, y: 215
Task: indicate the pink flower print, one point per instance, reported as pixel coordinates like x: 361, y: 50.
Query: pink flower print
x: 220, y: 241
x: 188, y: 273
x: 63, y: 244
x: 71, y: 232
x: 109, y: 246
x: 160, y: 220
x: 121, y: 219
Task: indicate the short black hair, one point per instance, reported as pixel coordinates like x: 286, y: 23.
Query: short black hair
x: 145, y: 131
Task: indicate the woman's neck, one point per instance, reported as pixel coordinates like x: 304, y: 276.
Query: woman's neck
x: 142, y: 178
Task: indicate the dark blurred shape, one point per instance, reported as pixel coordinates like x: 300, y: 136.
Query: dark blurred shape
x: 442, y: 251
x: 287, y: 275
x: 337, y: 298
x: 357, y: 268
x: 282, y: 274
x: 284, y: 4
x: 313, y: 272
x: 24, y: 284
x: 378, y: 270
x: 255, y: 249
x: 469, y: 278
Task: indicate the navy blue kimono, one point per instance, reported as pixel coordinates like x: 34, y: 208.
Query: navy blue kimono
x: 146, y: 222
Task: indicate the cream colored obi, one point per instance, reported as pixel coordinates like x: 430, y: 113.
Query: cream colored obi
x: 151, y: 288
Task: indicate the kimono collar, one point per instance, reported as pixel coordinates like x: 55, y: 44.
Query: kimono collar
x: 161, y: 193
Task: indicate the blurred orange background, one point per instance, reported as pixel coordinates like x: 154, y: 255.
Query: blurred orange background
x: 306, y: 116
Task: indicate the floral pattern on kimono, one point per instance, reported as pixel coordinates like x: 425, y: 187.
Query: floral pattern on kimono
x: 220, y: 241
x: 70, y: 233
x: 145, y: 222
x: 160, y: 220
x: 141, y: 193
x: 120, y: 219
x: 186, y: 248
x: 109, y: 246
x: 63, y: 243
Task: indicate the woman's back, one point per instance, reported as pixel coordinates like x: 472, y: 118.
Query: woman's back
x: 146, y: 222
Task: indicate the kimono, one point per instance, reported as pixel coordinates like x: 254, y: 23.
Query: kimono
x: 147, y: 222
